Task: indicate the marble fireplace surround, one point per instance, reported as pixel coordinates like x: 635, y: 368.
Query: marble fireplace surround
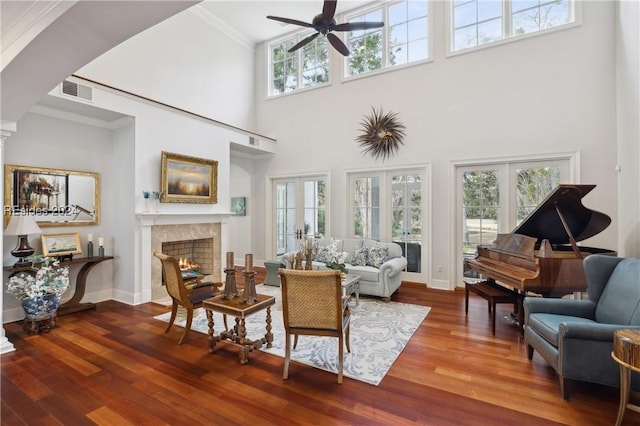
x: 162, y: 227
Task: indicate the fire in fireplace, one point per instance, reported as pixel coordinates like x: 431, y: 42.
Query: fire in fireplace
x: 192, y: 255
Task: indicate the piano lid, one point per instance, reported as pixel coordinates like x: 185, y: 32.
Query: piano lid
x: 545, y: 223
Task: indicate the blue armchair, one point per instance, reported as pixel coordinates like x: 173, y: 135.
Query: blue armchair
x: 575, y: 337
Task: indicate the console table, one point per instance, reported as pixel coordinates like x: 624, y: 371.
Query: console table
x: 73, y: 304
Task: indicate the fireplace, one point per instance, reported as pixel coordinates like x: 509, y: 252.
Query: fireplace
x: 192, y: 254
x: 157, y: 229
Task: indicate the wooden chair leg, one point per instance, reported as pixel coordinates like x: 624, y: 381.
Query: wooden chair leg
x: 295, y: 341
x: 287, y: 355
x: 174, y: 311
x: 340, y: 358
x: 347, y: 333
x: 187, y: 326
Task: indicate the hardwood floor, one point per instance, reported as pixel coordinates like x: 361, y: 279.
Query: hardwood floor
x: 115, y: 366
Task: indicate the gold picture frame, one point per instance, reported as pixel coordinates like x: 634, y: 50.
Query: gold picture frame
x: 61, y: 244
x: 54, y: 197
x: 186, y: 179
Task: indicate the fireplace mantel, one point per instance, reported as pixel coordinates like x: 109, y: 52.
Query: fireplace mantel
x: 150, y: 219
x: 148, y: 222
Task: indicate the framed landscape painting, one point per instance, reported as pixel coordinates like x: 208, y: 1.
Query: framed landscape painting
x: 61, y: 244
x: 187, y: 179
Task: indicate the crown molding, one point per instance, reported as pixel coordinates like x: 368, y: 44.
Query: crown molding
x: 219, y: 25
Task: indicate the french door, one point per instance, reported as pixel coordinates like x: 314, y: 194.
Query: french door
x: 406, y: 217
x: 494, y: 198
x: 299, y: 211
x: 389, y: 206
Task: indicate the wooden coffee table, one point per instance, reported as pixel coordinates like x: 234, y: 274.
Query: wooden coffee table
x: 238, y: 335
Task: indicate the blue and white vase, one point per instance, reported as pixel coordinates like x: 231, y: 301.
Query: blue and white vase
x: 41, y: 307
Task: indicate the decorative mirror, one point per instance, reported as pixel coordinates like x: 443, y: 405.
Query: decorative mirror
x: 54, y: 197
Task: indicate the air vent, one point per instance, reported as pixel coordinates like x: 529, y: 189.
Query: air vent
x: 77, y: 90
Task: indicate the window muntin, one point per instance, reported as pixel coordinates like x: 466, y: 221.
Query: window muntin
x: 477, y: 23
x: 366, y: 207
x: 403, y: 39
x: 496, y: 197
x: 535, y: 15
x: 286, y: 73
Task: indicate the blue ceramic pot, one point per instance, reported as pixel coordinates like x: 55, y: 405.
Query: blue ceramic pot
x: 40, y: 308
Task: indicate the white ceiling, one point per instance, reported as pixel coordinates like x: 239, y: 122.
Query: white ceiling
x: 249, y: 17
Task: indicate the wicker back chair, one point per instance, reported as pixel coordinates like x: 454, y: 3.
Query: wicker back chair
x: 190, y: 299
x: 312, y: 304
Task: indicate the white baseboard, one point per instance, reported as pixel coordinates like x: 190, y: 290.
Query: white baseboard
x: 440, y: 285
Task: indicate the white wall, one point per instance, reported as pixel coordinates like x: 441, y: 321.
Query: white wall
x: 187, y: 62
x: 542, y: 95
x: 628, y: 126
x: 43, y: 141
x: 240, y: 230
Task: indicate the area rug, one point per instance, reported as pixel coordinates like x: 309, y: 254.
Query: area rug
x: 379, y: 333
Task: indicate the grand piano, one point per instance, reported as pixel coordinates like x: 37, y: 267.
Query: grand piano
x: 541, y: 255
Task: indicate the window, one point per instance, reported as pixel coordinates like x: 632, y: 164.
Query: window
x: 480, y: 22
x: 403, y: 39
x: 286, y: 73
x: 495, y: 198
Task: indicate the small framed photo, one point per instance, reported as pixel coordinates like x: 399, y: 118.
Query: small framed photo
x: 239, y: 206
x: 61, y: 244
x: 185, y: 179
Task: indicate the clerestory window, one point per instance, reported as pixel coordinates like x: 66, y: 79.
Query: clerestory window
x: 403, y: 39
x: 303, y: 68
x: 476, y: 23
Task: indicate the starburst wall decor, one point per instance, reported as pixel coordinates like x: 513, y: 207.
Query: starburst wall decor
x: 382, y: 134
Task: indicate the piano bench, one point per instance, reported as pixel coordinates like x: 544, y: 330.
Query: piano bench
x: 494, y: 294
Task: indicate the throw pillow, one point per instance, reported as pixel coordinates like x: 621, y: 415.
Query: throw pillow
x: 360, y: 256
x: 377, y: 255
x: 328, y: 252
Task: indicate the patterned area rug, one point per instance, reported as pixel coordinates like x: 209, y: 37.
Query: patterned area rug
x: 379, y: 333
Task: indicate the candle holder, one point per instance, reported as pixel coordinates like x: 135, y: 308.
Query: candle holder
x: 230, y: 289
x: 309, y: 257
x: 249, y: 294
x: 89, y: 249
x: 101, y: 251
x: 298, y: 261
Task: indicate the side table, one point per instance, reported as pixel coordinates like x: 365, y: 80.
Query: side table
x: 238, y: 335
x: 626, y: 352
x: 350, y: 286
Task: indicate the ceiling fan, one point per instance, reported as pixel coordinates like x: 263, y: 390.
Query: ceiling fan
x: 324, y: 24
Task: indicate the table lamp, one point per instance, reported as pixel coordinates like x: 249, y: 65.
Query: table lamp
x: 22, y: 226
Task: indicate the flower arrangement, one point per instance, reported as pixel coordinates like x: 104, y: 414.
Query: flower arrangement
x: 335, y: 259
x: 50, y: 278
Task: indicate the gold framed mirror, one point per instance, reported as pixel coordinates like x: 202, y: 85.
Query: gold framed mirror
x: 55, y: 197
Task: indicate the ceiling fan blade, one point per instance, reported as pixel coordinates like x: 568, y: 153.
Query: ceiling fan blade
x: 329, y: 9
x: 338, y: 44
x: 353, y: 26
x: 290, y: 21
x: 303, y: 42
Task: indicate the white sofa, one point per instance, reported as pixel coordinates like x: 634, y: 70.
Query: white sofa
x: 381, y: 276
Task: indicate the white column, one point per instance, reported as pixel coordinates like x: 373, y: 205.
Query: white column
x: 6, y: 130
